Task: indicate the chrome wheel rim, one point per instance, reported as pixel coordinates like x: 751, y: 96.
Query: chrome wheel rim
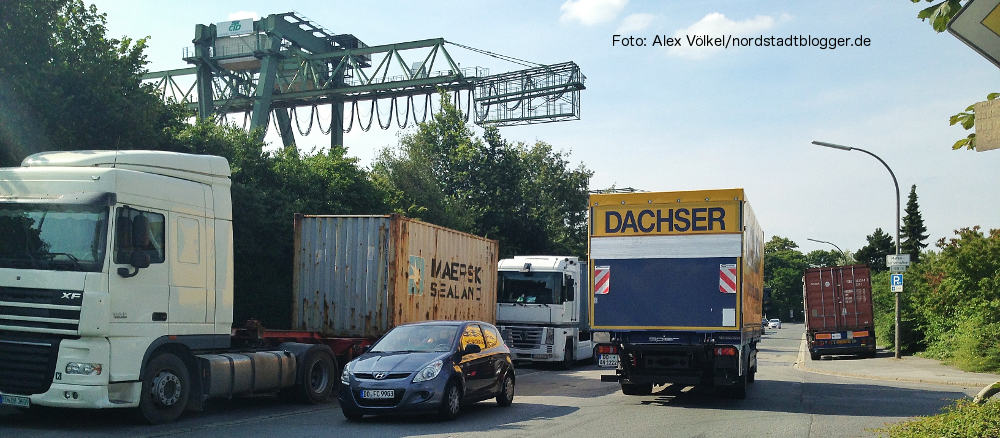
x: 318, y: 377
x: 166, y: 389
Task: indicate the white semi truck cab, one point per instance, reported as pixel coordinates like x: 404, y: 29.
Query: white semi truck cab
x: 116, y: 288
x: 542, y: 309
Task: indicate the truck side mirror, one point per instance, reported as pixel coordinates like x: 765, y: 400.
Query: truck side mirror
x: 140, y: 259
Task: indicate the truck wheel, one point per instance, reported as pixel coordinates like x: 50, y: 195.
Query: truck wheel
x: 506, y: 395
x: 451, y: 403
x: 815, y: 356
x: 567, y: 361
x: 166, y: 388
x: 752, y: 375
x: 318, y: 377
x: 739, y: 390
x: 637, y: 388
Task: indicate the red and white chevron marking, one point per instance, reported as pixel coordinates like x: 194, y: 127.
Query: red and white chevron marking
x: 727, y: 279
x: 602, y: 280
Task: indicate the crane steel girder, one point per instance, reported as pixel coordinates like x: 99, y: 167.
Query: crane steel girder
x: 284, y: 62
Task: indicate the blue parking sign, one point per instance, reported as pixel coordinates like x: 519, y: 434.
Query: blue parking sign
x: 896, y: 283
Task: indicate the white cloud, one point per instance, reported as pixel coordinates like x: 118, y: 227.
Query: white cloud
x: 635, y: 23
x: 716, y: 24
x: 591, y: 12
x: 239, y: 15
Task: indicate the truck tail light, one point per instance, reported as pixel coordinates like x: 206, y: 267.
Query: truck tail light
x: 607, y: 349
x: 725, y: 351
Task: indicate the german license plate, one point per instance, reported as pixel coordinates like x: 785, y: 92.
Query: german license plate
x: 378, y: 393
x: 607, y: 360
x: 14, y: 400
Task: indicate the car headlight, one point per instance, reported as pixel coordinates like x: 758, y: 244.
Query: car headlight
x: 429, y: 372
x: 85, y: 369
x: 345, y: 377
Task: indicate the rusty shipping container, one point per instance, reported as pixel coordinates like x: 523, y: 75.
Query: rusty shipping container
x: 359, y: 276
x: 838, y: 307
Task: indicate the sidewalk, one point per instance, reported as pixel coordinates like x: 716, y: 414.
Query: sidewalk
x: 885, y: 367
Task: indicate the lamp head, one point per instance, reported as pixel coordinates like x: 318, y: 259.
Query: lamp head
x: 832, y: 145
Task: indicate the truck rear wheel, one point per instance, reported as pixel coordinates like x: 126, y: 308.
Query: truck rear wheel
x: 166, y: 387
x: 739, y: 390
x: 318, y: 377
x: 637, y: 388
x: 815, y: 356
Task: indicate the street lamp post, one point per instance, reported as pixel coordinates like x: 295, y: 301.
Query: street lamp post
x: 842, y: 254
x: 896, y: 183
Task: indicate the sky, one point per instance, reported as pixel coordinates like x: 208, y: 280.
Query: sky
x: 690, y: 118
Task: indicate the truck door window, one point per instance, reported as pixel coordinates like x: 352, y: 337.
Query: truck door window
x: 129, y: 240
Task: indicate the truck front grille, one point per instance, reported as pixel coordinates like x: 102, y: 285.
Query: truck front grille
x: 525, y: 337
x: 40, y: 310
x: 27, y: 365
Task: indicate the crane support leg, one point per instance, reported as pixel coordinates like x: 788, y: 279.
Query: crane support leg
x: 284, y: 127
x: 265, y: 89
x: 337, y: 125
x: 202, y: 49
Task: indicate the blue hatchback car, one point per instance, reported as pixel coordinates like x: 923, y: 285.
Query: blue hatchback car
x: 434, y: 366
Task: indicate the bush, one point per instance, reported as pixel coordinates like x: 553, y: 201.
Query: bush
x: 963, y: 419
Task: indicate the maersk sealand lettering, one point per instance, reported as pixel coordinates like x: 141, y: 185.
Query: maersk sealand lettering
x: 668, y: 220
x: 454, y: 272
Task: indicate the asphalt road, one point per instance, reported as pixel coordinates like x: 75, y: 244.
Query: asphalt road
x: 783, y: 402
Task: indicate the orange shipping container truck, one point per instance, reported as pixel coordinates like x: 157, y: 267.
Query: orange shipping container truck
x: 838, y: 309
x: 359, y: 276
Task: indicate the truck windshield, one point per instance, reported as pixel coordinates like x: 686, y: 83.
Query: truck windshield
x: 529, y: 287
x: 56, y: 237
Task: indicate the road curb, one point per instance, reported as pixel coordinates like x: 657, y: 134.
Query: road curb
x: 800, y: 364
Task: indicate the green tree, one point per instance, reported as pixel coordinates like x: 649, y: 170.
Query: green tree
x: 526, y: 197
x: 65, y: 85
x: 913, y: 232
x: 873, y: 254
x: 783, y: 268
x: 821, y: 258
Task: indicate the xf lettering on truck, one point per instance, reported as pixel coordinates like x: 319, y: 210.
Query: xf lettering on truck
x: 666, y: 220
x: 456, y: 280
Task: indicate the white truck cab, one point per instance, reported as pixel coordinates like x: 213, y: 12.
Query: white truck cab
x: 116, y: 285
x: 542, y: 309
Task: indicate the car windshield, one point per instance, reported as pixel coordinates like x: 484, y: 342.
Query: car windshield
x: 775, y: 320
x: 529, y: 287
x: 417, y: 338
x: 57, y: 237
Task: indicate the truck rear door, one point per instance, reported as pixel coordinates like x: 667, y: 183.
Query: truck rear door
x: 666, y: 265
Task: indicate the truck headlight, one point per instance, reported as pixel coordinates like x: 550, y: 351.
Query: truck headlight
x: 84, y: 369
x: 345, y: 377
x: 550, y: 336
x: 429, y: 372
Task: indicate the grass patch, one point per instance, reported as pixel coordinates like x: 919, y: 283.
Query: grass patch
x: 962, y: 419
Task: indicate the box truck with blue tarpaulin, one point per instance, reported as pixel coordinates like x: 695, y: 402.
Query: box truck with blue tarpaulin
x: 676, y: 282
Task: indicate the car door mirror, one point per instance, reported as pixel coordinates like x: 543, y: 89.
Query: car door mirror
x: 471, y: 349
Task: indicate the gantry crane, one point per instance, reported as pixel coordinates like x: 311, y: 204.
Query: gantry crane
x: 268, y: 68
